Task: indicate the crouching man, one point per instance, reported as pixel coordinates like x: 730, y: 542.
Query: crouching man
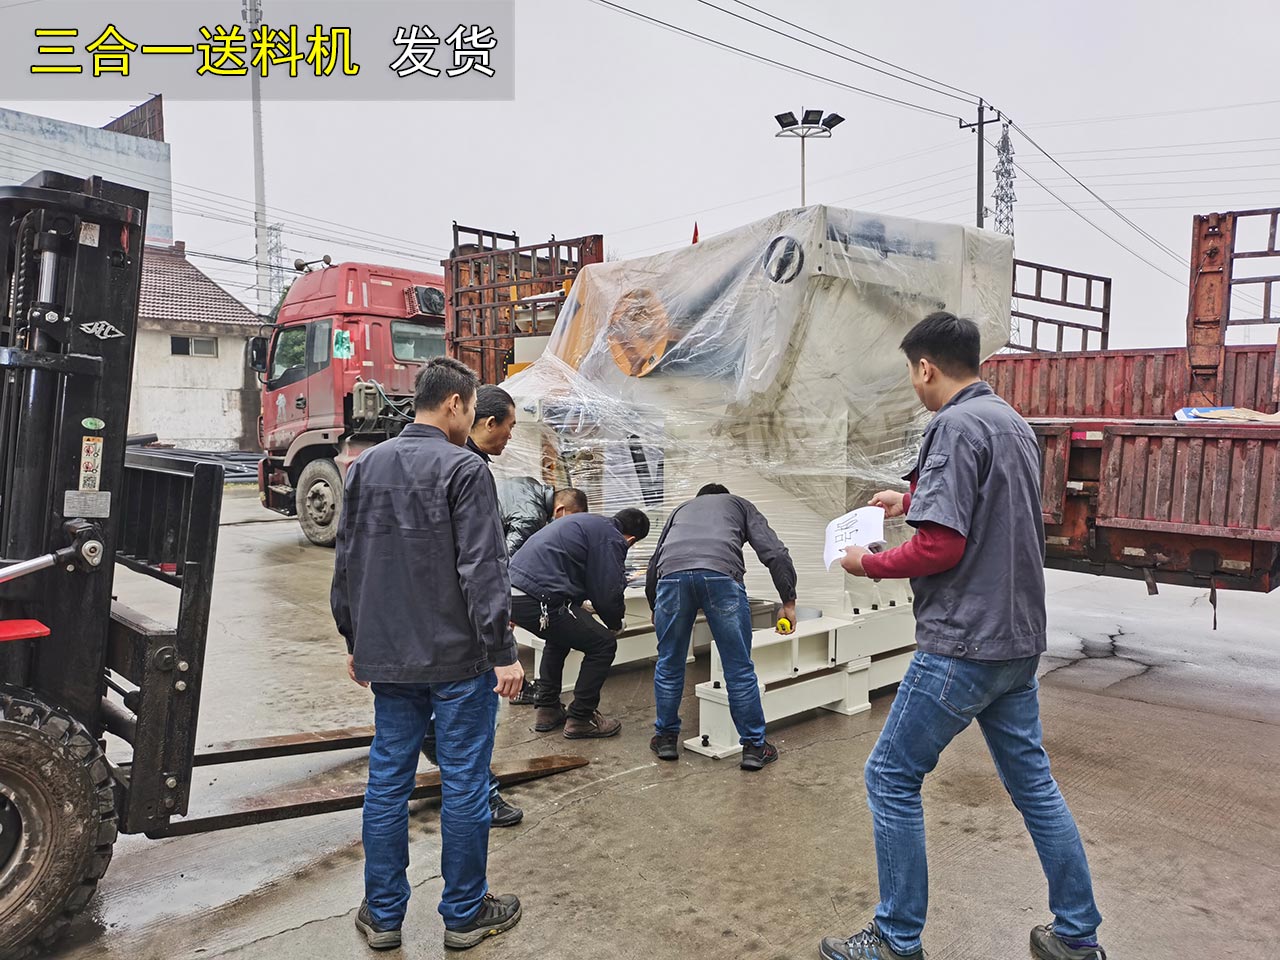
x: 577, y: 559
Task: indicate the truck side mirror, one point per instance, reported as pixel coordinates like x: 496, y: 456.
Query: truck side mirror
x: 258, y: 354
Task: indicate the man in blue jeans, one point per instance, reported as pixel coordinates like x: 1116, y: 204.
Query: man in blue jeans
x: 421, y: 596
x: 976, y: 569
x: 698, y: 565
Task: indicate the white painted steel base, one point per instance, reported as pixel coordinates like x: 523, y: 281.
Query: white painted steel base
x: 828, y: 663
x: 638, y: 640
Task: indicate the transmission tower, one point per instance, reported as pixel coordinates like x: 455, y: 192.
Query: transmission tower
x: 1004, y: 196
x: 275, y: 264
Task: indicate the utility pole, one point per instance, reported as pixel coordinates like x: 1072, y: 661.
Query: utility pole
x: 251, y: 12
x: 978, y: 128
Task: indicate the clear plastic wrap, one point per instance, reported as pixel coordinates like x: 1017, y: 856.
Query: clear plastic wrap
x: 765, y: 359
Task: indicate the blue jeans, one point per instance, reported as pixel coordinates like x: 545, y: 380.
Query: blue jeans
x: 937, y: 699
x: 724, y: 601
x: 464, y: 712
x: 429, y: 751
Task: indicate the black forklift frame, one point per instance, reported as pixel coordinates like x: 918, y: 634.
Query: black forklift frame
x: 74, y: 502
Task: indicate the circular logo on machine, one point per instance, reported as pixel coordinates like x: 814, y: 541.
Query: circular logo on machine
x: 784, y: 259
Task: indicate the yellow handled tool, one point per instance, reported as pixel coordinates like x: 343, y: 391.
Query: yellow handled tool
x: 784, y: 625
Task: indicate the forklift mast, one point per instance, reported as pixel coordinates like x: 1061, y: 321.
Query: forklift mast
x: 72, y: 256
x: 99, y: 704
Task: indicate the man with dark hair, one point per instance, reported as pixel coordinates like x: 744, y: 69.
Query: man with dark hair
x: 420, y: 594
x: 528, y: 505
x: 698, y: 565
x: 568, y: 500
x: 976, y: 565
x: 495, y: 419
x: 579, y: 559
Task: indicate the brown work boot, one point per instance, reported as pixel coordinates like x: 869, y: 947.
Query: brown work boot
x: 546, y: 719
x: 598, y: 726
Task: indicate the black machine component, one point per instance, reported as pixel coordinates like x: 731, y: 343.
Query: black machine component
x: 99, y: 704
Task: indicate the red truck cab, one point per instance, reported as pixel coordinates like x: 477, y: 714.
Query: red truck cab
x: 337, y: 374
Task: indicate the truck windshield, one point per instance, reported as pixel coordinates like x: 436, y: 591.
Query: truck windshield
x: 415, y: 342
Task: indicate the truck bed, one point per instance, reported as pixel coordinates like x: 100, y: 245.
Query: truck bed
x: 1125, y: 384
x: 1130, y: 492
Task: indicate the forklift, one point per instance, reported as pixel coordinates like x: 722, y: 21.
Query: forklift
x: 99, y: 703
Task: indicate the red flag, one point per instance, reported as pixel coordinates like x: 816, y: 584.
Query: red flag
x: 695, y: 231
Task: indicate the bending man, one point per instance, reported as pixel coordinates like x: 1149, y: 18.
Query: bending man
x: 698, y: 565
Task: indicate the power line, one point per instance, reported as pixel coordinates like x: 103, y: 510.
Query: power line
x: 949, y: 144
x: 1097, y: 227
x: 1177, y: 170
x: 1173, y: 156
x: 777, y: 63
x: 1093, y: 193
x: 170, y: 184
x: 1119, y: 243
x: 862, y: 53
x: 1044, y: 206
x: 1164, y: 113
x: 1170, y: 146
x: 814, y: 46
x: 197, y: 207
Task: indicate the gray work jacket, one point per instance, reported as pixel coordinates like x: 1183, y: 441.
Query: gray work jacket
x: 420, y: 588
x: 708, y: 532
x: 979, y: 474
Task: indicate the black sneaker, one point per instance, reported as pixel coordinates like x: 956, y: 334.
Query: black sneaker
x: 528, y: 695
x: 666, y: 746
x: 1047, y: 945
x: 864, y: 945
x: 754, y: 757
x: 503, y: 814
x: 497, y: 915
x: 377, y: 937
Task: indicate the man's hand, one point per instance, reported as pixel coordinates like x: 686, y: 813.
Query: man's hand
x: 788, y: 612
x: 891, y: 500
x: 852, y: 562
x: 510, y: 680
x: 351, y: 671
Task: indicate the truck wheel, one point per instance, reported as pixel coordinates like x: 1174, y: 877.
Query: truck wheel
x: 319, y: 500
x: 57, y: 821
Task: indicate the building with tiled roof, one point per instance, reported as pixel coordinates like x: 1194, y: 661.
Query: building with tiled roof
x: 192, y: 386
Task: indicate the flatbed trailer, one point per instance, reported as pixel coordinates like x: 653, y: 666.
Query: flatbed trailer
x: 1129, y: 491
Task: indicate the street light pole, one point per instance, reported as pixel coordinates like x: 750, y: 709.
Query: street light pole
x: 811, y: 124
x: 802, y: 200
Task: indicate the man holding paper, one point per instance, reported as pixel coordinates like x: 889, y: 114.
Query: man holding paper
x: 976, y: 565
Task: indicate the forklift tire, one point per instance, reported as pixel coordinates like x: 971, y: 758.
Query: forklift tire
x: 319, y: 501
x: 58, y: 821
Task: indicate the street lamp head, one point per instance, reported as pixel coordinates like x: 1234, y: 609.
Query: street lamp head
x: 812, y: 118
x: 786, y: 120
x: 833, y: 120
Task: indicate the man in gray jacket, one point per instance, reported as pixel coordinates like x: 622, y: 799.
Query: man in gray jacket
x: 421, y: 595
x: 698, y: 565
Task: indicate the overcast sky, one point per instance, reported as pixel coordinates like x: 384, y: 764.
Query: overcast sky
x: 628, y: 129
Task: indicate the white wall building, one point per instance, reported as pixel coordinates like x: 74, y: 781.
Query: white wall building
x: 192, y: 386
x: 29, y: 144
